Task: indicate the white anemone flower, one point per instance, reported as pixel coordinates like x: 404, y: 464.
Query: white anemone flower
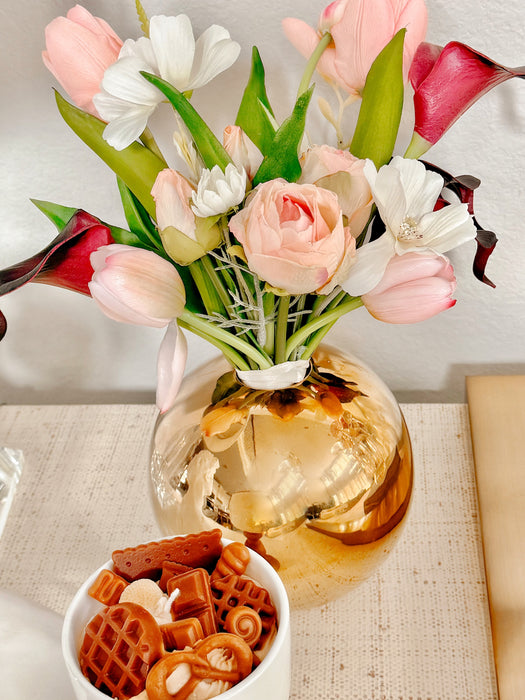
x: 405, y: 193
x: 219, y: 191
x: 127, y: 100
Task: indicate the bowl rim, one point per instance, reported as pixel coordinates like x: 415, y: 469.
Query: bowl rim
x: 279, y: 599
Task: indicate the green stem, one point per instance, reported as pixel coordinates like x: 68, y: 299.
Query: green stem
x: 208, y: 293
x: 299, y: 307
x: 196, y: 324
x: 268, y: 304
x: 312, y: 344
x: 222, y: 293
x: 229, y: 353
x: 281, y: 329
x: 148, y: 140
x: 312, y: 63
x: 326, y: 302
x: 329, y: 317
x: 417, y: 146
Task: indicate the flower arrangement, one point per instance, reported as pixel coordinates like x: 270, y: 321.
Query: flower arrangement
x: 261, y: 240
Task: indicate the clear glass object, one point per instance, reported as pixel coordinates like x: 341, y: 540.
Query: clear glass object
x: 317, y: 477
x: 11, y: 462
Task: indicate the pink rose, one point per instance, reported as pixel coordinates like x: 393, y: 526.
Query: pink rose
x: 320, y: 165
x: 79, y: 49
x: 293, y: 236
x: 415, y: 287
x: 360, y: 30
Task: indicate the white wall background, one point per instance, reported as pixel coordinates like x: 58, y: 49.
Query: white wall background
x: 60, y: 349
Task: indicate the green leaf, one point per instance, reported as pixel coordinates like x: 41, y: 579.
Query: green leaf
x: 56, y: 213
x: 282, y: 159
x: 252, y: 116
x: 380, y: 114
x: 121, y: 235
x: 61, y: 215
x: 139, y: 221
x: 210, y: 148
x: 136, y: 165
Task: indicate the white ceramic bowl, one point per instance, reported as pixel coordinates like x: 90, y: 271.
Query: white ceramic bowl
x: 271, y: 679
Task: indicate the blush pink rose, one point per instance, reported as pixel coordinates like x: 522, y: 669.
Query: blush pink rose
x: 79, y: 49
x: 360, y: 30
x: 415, y: 286
x: 320, y: 165
x: 293, y: 236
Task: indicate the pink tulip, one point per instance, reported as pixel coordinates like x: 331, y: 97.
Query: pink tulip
x: 293, y: 236
x: 360, y: 30
x: 185, y: 237
x: 172, y: 194
x: 137, y: 286
x: 79, y: 49
x: 319, y: 166
x: 415, y: 286
x: 242, y: 150
x: 447, y: 81
x: 171, y: 363
x: 332, y: 14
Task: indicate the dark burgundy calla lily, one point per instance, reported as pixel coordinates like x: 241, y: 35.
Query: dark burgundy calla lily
x: 63, y: 263
x: 447, y: 81
x: 463, y: 187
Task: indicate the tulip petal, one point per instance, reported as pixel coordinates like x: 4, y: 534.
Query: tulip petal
x: 369, y: 266
x: 280, y: 376
x: 415, y: 286
x: 136, y: 286
x: 174, y: 46
x: 170, y: 366
x: 414, y: 302
x: 127, y: 127
x: 214, y: 53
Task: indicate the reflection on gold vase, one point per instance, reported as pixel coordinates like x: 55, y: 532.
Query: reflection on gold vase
x: 316, y: 477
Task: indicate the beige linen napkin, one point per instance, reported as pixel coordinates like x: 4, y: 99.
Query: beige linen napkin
x: 497, y: 418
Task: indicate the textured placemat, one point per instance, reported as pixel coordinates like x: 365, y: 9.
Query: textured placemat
x: 419, y: 629
x: 497, y: 416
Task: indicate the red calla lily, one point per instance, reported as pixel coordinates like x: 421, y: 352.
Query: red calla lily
x: 63, y: 263
x: 463, y: 187
x: 447, y: 81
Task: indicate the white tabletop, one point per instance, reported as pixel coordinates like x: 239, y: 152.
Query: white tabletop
x: 419, y: 629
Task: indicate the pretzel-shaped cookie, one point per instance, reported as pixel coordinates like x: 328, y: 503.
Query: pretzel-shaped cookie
x: 220, y: 658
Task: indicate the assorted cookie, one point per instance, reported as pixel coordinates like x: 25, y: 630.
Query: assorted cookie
x: 181, y: 619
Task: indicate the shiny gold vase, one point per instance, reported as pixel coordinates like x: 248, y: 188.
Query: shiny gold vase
x: 316, y: 477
